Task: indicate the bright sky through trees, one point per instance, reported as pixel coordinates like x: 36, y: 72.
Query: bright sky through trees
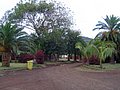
x: 86, y: 12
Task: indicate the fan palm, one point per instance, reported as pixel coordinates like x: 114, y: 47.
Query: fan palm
x: 10, y: 39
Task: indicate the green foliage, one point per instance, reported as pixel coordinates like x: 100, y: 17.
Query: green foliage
x: 79, y: 45
x: 101, y: 49
x: 55, y: 42
x: 40, y: 16
x: 111, y: 23
x: 33, y: 44
x: 108, y: 52
x: 50, y: 21
x: 91, y: 50
x: 106, y: 49
x: 11, y: 36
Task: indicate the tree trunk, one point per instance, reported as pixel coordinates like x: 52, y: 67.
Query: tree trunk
x: 101, y: 64
x: 6, y: 59
x: 75, y: 59
x: 68, y: 57
x: 80, y: 58
x: 57, y: 57
x: 88, y: 63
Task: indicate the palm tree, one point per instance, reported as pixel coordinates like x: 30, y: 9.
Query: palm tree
x: 101, y: 49
x: 87, y: 50
x: 105, y: 49
x: 112, y: 26
x: 10, y: 38
x: 111, y: 23
x: 72, y: 37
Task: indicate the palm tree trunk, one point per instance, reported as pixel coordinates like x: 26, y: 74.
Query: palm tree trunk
x: 101, y: 64
x: 6, y: 59
x: 87, y: 61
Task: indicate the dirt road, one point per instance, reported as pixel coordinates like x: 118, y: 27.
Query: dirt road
x: 63, y: 77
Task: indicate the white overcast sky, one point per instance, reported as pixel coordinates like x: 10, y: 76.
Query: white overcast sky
x: 86, y: 12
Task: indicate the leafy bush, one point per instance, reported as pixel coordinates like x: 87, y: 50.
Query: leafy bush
x: 24, y: 57
x: 39, y: 56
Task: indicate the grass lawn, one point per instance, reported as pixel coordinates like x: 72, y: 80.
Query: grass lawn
x: 20, y: 66
x: 96, y: 68
x: 107, y: 66
x: 14, y: 66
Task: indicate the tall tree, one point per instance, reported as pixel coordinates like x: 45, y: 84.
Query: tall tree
x: 72, y: 37
x: 40, y: 15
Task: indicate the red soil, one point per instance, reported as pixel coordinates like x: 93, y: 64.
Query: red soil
x: 63, y: 77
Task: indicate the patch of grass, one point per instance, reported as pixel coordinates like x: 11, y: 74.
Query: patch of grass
x: 111, y: 66
x: 50, y: 62
x: 96, y: 68
x: 19, y: 66
x: 14, y: 66
x: 57, y: 62
x: 106, y: 66
x: 38, y: 65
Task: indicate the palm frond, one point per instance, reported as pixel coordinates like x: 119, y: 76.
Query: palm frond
x: 108, y: 52
x: 10, y: 35
x: 91, y: 50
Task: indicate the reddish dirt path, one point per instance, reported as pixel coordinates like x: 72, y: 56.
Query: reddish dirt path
x: 64, y: 77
